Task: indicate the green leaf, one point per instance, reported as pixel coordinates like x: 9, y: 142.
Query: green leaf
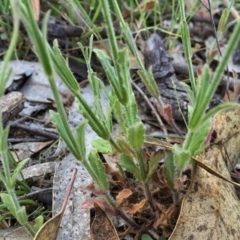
x: 95, y: 84
x: 112, y: 76
x: 98, y: 125
x: 181, y: 156
x: 187, y: 45
x: 146, y: 237
x: 98, y: 168
x: 63, y: 70
x: 150, y: 83
x: 125, y: 146
x: 198, y: 139
x: 118, y: 113
x: 38, y: 222
x: 17, y: 170
x: 153, y: 164
x: 135, y: 135
x: 130, y: 113
x: 102, y: 145
x: 217, y: 109
x: 2, y: 178
x: 3, y: 140
x: 63, y: 133
x: 202, y: 100
x: 127, y: 163
x: 169, y: 170
x: 123, y: 73
x: 36, y: 36
x: 223, y: 20
x: 80, y: 139
x: 8, y: 201
x: 21, y: 215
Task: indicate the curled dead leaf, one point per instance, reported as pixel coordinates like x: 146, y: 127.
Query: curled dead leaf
x: 125, y: 193
x: 133, y: 208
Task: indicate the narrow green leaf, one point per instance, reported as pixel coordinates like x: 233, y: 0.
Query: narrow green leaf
x: 118, y: 113
x: 187, y: 46
x: 17, y: 170
x: 169, y: 170
x: 98, y: 125
x: 127, y: 163
x: 110, y: 29
x: 125, y: 146
x: 217, y: 109
x: 150, y: 83
x: 7, y: 200
x: 112, y: 76
x: 98, y: 168
x: 123, y: 72
x: 80, y: 139
x: 63, y: 133
x: 198, y: 139
x: 38, y: 223
x: 202, y: 100
x: 2, y: 178
x: 102, y: 145
x: 95, y: 83
x: 135, y: 135
x: 153, y: 163
x: 181, y: 156
x: 3, y: 141
x: 63, y: 70
x: 223, y: 20
x: 130, y: 113
x: 36, y: 36
x: 21, y: 215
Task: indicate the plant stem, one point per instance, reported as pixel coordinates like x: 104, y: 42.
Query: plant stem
x: 29, y: 228
x: 187, y: 45
x: 143, y: 175
x: 115, y: 146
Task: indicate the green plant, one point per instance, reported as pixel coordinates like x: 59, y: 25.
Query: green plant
x: 7, y: 177
x: 128, y: 144
x: 203, y: 90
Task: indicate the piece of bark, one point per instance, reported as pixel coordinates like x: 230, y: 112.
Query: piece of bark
x: 172, y: 91
x: 12, y: 104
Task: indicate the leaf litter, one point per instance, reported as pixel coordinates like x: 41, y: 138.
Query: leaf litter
x: 211, y: 208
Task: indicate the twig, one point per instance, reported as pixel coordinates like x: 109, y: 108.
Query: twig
x: 151, y: 106
x: 40, y: 131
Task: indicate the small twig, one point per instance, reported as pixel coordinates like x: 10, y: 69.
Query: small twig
x: 129, y: 221
x: 151, y: 106
x: 215, y: 32
x: 34, y: 193
x: 208, y: 8
x: 40, y: 131
x: 27, y: 139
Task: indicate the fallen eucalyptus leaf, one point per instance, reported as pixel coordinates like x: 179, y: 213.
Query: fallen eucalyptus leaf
x: 211, y: 208
x: 49, y: 230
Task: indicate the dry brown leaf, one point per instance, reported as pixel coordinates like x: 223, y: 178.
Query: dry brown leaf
x: 211, y: 208
x: 117, y: 178
x: 49, y: 230
x: 133, y: 208
x: 102, y: 228
x: 125, y: 193
x: 165, y: 218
